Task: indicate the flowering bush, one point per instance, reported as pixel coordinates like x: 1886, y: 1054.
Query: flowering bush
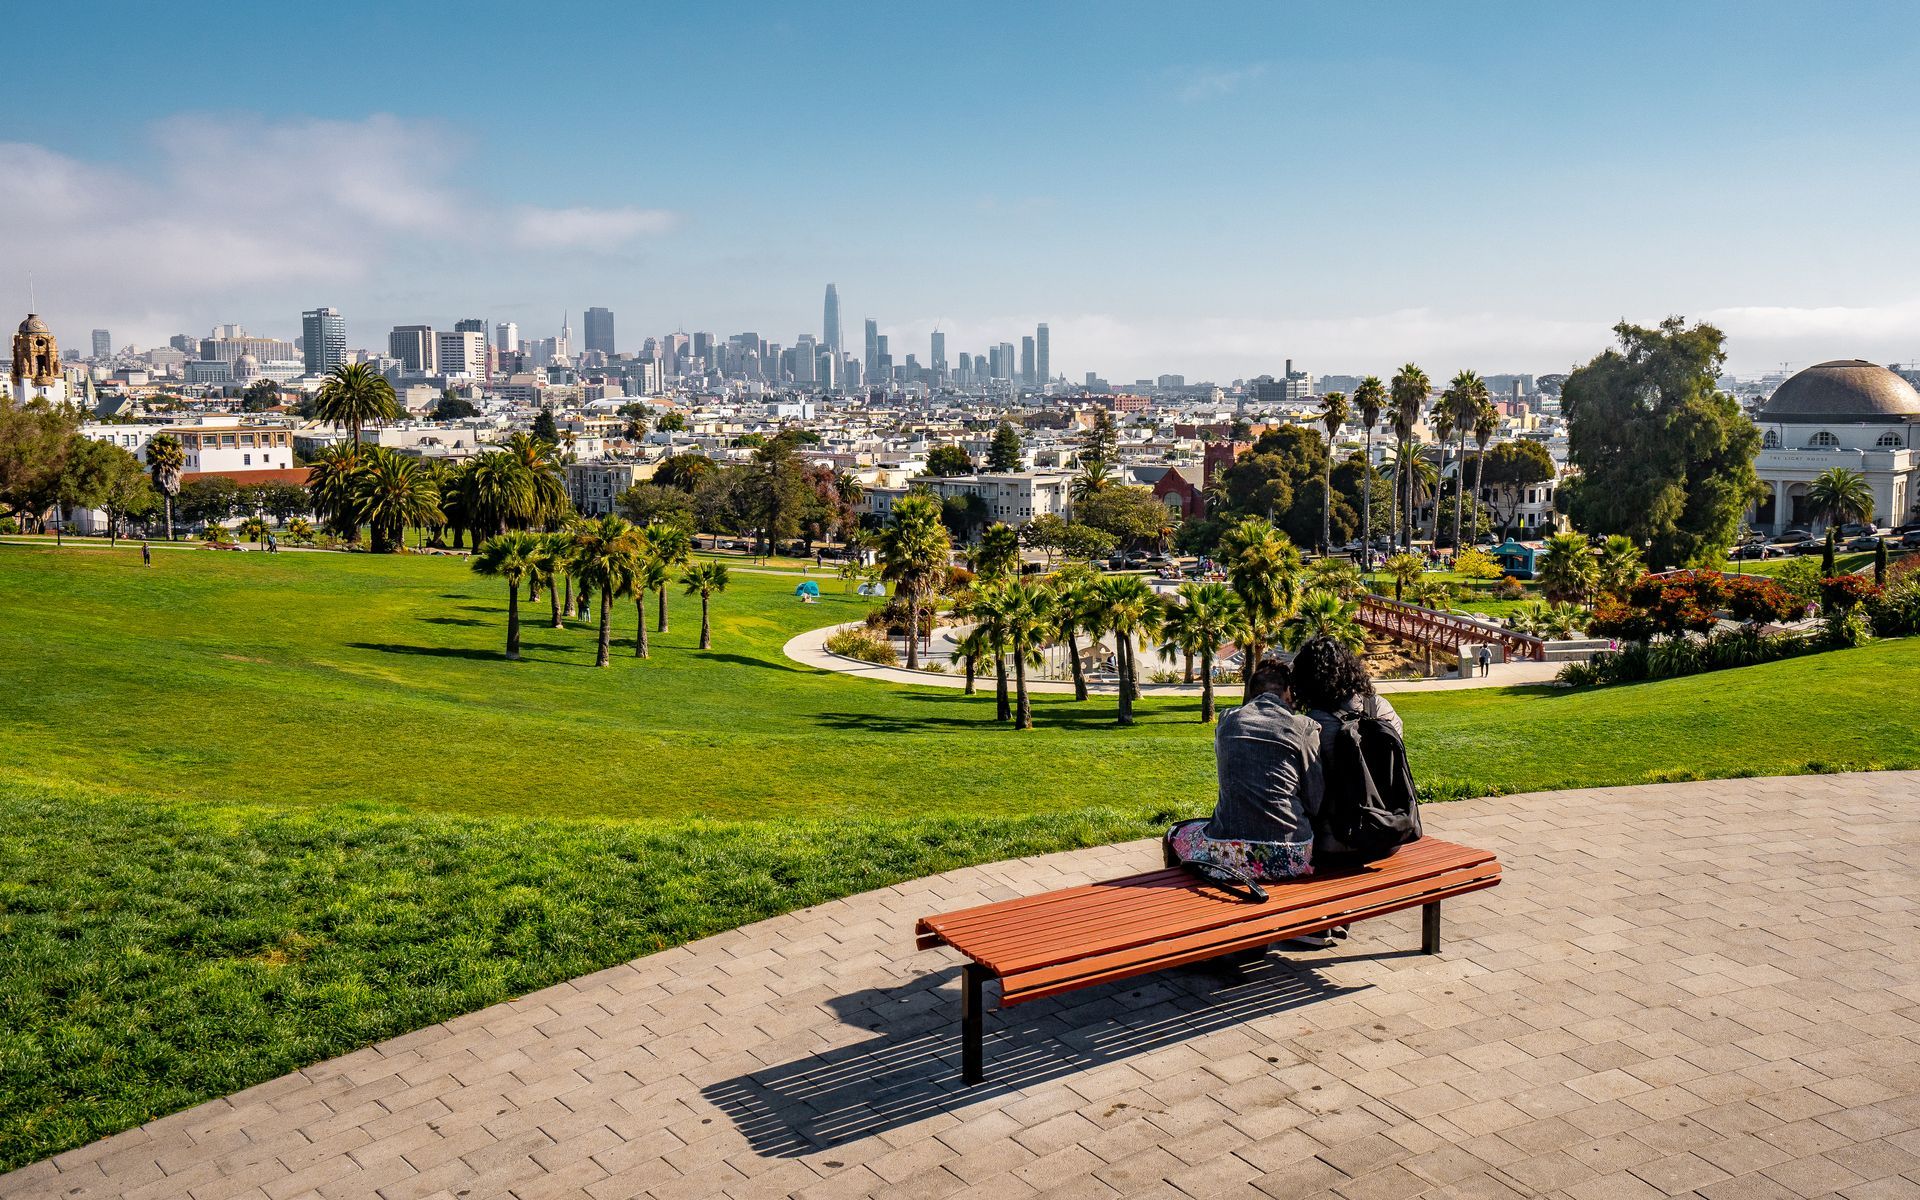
x: 1509, y: 588
x: 1674, y: 657
x: 1476, y: 563
x: 1614, y: 618
x: 1756, y: 599
x: 1683, y: 602
x: 1844, y: 593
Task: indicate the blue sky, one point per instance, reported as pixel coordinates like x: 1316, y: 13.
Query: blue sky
x: 1204, y: 189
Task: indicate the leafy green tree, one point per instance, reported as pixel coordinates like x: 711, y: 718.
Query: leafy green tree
x: 914, y: 554
x: 545, y: 567
x: 353, y: 395
x: 1409, y: 390
x: 683, y: 471
x: 600, y: 557
x: 259, y: 396
x: 964, y: 515
x: 1126, y: 607
x: 1486, y: 422
x: 209, y: 500
x: 1511, y: 468
x: 1027, y: 613
x: 1130, y: 514
x: 454, y: 407
x: 541, y: 498
x: 1619, y: 565
x: 1263, y: 568
x: 1569, y: 571
x: 331, y: 489
x: 1416, y: 479
x: 1663, y: 456
x: 948, y: 461
x: 1076, y: 590
x: 985, y: 604
x: 1202, y: 618
x: 126, y: 493
x: 300, y: 531
x: 1369, y: 398
x: 671, y: 422
x: 1335, y: 577
x: 1100, y: 442
x: 1004, y: 455
x: 648, y: 570
x: 646, y: 503
x: 776, y: 492
x: 1096, y: 476
x: 705, y: 580
x: 1838, y: 495
x: 509, y: 557
x: 544, y: 428
x: 1334, y: 411
x: 166, y: 460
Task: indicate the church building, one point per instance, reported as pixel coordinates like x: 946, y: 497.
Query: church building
x: 36, y: 364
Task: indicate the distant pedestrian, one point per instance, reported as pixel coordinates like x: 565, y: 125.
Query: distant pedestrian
x: 1486, y: 661
x: 273, y: 544
x: 146, y: 553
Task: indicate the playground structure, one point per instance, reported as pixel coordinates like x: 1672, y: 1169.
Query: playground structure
x: 1450, y: 632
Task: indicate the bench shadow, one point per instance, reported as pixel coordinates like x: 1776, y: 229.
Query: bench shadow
x: 911, y: 1070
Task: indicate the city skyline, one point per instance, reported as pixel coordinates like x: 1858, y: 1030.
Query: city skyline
x: 1206, y: 198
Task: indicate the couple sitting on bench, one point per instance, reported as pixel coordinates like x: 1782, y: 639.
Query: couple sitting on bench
x: 1279, y: 758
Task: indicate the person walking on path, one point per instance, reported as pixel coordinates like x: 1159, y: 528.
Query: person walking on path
x: 146, y: 553
x: 1486, y: 661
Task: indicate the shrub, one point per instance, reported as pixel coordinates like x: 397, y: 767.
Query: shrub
x: 1683, y: 602
x: 1509, y: 588
x: 1845, y: 593
x: 863, y: 644
x: 1166, y: 675
x: 1673, y: 657
x: 1475, y: 563
x: 1757, y: 599
x: 1801, y: 579
x: 892, y: 617
x: 1895, y: 612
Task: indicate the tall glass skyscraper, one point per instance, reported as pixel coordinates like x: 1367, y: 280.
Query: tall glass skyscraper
x: 1042, y: 360
x: 323, y: 335
x: 600, y: 330
x: 830, y: 322
x: 870, y: 365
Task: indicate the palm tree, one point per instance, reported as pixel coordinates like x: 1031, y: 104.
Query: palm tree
x: 600, y: 557
x: 253, y: 529
x: 705, y: 580
x: 332, y: 489
x: 1096, y: 475
x: 1026, y: 613
x: 1263, y: 568
x: 1486, y: 422
x: 968, y: 652
x: 1620, y: 564
x: 648, y: 571
x: 1324, y: 615
x: 1205, y: 617
x: 674, y: 545
x: 1464, y: 398
x: 497, y: 494
x: 1128, y: 610
x: 165, y: 461
x: 1334, y: 411
x: 1434, y: 594
x: 915, y: 552
x: 1076, y: 585
x: 1570, y: 570
x: 1838, y: 495
x: 998, y: 552
x: 548, y: 567
x: 1415, y: 478
x: 1336, y: 577
x: 1441, y: 420
x: 986, y: 606
x: 1370, y: 397
x: 543, y: 493
x: 391, y: 492
x: 1409, y: 390
x: 300, y: 531
x: 354, y: 394
x: 510, y: 557
x: 1406, y: 570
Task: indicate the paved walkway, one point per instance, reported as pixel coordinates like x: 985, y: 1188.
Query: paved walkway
x: 810, y: 649
x: 1707, y: 988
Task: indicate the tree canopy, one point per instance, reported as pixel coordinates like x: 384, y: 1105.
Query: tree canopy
x: 1664, y: 456
x: 949, y: 460
x: 1004, y: 454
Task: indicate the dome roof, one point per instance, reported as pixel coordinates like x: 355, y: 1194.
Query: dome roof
x: 33, y: 324
x: 1846, y: 389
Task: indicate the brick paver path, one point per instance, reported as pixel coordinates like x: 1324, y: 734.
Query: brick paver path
x: 1709, y: 988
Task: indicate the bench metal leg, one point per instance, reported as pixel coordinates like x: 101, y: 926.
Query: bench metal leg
x: 973, y: 1067
x: 1430, y: 928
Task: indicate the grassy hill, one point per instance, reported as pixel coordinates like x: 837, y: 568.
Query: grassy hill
x: 262, y: 810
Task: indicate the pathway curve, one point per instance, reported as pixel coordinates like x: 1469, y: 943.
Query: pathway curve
x: 1707, y: 988
x: 810, y: 649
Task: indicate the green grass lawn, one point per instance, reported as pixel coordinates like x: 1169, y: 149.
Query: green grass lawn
x: 260, y: 810
x: 1843, y: 562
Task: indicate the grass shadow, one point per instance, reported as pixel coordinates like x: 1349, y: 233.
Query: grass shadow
x: 472, y: 621
x: 911, y: 1071
x: 494, y: 655
x: 742, y: 660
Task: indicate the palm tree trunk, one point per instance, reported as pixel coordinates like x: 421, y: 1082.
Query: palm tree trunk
x: 1001, y: 711
x: 1479, y: 478
x: 1187, y: 667
x: 1366, y: 502
x: 533, y: 590
x: 1123, y: 659
x: 1326, y: 503
x: 913, y: 630
x: 606, y: 627
x: 1459, y: 491
x: 513, y: 622
x: 1073, y: 653
x: 1206, y: 687
x: 1023, y: 708
x: 662, y: 606
x: 1249, y: 659
x: 640, y: 623
x: 169, y: 500
x: 553, y: 599
x: 566, y: 602
x: 706, y: 627
x: 968, y: 660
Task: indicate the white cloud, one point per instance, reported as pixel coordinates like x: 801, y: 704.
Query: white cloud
x: 573, y: 228
x: 1210, y: 83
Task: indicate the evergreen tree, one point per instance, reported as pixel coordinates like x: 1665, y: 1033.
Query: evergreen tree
x: 544, y: 428
x: 1004, y: 454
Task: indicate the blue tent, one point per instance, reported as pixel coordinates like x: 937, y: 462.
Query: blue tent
x: 1515, y: 558
x: 809, y: 588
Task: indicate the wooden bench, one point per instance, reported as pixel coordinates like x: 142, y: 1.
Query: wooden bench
x: 1076, y: 937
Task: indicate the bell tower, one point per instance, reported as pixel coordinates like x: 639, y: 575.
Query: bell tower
x: 36, y: 363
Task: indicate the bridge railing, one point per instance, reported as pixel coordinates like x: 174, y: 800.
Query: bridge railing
x: 1411, y: 622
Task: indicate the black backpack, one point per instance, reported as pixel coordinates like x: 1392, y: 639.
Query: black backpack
x: 1370, y: 807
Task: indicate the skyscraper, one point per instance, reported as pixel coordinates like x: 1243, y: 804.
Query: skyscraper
x: 563, y: 345
x: 871, y: 363
x: 1042, y: 360
x: 506, y: 337
x: 414, y: 346
x: 1026, y: 361
x: 830, y: 324
x: 478, y: 365
x: 938, y: 357
x: 600, y: 330
x: 324, y: 340
x: 102, y: 344
x: 462, y: 352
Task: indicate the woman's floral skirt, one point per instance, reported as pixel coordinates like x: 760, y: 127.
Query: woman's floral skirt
x: 1188, y: 841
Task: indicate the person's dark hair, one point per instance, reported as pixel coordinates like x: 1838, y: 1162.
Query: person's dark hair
x: 1270, y: 675
x: 1326, y: 675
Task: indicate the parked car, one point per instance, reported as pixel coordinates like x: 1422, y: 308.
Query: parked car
x: 1755, y: 550
x: 1854, y: 529
x: 1866, y: 542
x: 1809, y: 547
x: 1792, y: 536
x: 1910, y: 540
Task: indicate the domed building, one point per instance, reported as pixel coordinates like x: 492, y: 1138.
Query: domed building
x: 36, y: 373
x: 1845, y: 413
